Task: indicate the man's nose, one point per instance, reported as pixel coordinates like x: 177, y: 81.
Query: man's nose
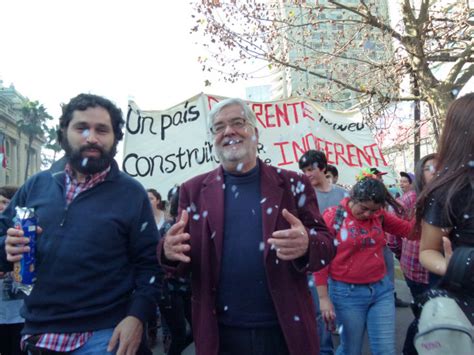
x: 228, y: 130
x: 91, y: 137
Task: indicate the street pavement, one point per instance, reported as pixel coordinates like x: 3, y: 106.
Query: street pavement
x: 404, y: 317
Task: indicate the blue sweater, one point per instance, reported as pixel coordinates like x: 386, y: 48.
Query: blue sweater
x: 96, y: 258
x: 243, y: 297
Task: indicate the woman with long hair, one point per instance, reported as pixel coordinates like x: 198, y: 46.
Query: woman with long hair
x: 445, y: 208
x: 416, y: 276
x: 361, y: 293
x: 158, y: 208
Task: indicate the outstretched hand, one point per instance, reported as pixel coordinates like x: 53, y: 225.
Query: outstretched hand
x: 175, y: 245
x: 291, y: 243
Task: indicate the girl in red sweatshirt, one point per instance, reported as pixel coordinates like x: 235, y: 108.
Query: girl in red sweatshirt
x: 360, y: 293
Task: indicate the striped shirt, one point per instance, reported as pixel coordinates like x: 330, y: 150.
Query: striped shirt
x: 65, y: 342
x: 408, y: 250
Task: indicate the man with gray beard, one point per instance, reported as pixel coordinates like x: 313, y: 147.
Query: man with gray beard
x: 248, y: 233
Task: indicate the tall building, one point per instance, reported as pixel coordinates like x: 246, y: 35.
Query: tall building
x: 332, y: 43
x: 15, y: 143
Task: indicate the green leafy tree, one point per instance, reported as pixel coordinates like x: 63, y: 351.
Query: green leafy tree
x: 33, y: 124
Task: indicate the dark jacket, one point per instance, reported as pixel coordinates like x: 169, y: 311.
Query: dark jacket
x: 95, y: 258
x: 287, y: 281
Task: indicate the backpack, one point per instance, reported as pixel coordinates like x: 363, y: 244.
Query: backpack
x: 444, y: 329
x: 445, y: 325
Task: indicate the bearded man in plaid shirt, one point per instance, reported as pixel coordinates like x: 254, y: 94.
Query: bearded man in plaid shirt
x: 95, y: 253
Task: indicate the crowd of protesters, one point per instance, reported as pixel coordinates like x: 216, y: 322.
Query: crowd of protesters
x: 244, y: 259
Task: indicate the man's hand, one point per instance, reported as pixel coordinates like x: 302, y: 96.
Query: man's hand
x: 175, y: 245
x: 128, y: 333
x: 291, y: 243
x: 16, y: 244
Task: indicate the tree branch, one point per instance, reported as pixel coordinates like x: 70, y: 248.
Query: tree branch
x: 371, y: 19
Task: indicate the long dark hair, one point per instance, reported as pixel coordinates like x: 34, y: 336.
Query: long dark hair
x: 371, y: 189
x: 453, y: 156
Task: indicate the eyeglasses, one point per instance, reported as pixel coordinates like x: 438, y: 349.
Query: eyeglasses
x: 236, y: 123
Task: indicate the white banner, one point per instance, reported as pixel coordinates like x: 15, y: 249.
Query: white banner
x: 164, y: 148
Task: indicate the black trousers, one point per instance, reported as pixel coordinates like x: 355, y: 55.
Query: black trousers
x: 10, y: 339
x: 251, y: 341
x: 176, y: 313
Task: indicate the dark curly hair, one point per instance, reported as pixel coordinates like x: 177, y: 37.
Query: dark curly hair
x: 81, y: 103
x: 369, y: 189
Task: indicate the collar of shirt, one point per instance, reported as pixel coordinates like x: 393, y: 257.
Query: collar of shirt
x: 74, y: 187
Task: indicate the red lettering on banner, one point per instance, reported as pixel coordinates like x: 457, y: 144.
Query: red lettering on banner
x: 295, y: 111
x: 282, y: 114
x: 258, y: 110
x: 210, y: 101
x: 283, y: 155
x: 269, y: 116
x: 367, y: 155
x: 306, y: 111
x: 296, y: 147
x: 350, y: 155
x: 339, y: 152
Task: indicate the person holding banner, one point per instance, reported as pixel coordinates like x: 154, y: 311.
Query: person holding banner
x: 248, y: 233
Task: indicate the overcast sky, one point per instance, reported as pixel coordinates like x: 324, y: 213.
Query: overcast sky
x: 54, y: 49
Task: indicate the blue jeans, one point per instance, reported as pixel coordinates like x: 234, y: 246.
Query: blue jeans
x: 326, y: 346
x: 97, y: 343
x: 365, y: 306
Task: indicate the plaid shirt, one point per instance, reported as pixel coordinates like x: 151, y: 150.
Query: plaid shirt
x: 70, y: 341
x: 408, y: 251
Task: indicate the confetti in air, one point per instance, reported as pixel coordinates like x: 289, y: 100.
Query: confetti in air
x: 296, y: 318
x: 143, y: 226
x: 213, y: 235
x: 240, y: 166
x: 196, y: 216
x: 269, y: 210
x: 233, y: 188
x: 86, y: 133
x: 344, y: 234
x: 263, y: 200
x: 204, y: 214
x: 261, y: 246
x: 152, y: 280
x: 302, y: 200
x: 226, y: 308
x: 84, y: 161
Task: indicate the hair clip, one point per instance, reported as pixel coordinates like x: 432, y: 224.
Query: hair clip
x: 365, y: 173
